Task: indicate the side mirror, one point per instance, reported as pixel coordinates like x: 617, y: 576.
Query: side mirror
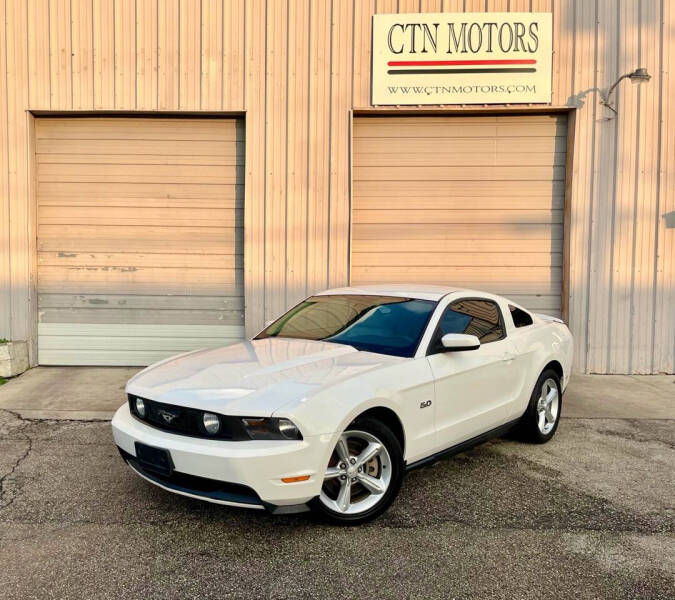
x: 457, y: 342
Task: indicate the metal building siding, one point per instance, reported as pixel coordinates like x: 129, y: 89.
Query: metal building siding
x: 235, y: 55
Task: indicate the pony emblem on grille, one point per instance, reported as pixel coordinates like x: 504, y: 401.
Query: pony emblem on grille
x: 167, y: 416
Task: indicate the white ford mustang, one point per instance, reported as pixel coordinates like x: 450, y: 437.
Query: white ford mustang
x: 329, y: 405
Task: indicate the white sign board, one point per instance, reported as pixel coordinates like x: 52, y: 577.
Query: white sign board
x: 462, y: 58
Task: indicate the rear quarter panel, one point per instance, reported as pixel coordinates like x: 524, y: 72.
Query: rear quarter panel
x: 538, y: 345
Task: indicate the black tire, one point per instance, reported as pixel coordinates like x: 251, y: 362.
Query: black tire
x: 385, y: 436
x: 528, y: 429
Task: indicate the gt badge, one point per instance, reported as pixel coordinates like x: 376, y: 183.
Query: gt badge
x: 425, y: 404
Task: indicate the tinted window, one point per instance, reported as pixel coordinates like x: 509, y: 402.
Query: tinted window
x: 383, y: 324
x: 474, y: 317
x: 520, y: 317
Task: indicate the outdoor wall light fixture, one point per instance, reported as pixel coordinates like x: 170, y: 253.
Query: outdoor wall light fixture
x: 638, y: 76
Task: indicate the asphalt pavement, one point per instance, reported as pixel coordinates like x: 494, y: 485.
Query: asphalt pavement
x: 589, y: 515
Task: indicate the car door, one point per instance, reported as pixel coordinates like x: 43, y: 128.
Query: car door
x: 473, y: 388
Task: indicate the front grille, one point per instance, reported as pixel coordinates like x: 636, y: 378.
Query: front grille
x: 199, y: 486
x: 186, y: 421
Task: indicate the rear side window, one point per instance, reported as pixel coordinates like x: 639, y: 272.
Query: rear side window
x: 520, y: 317
x: 481, y: 318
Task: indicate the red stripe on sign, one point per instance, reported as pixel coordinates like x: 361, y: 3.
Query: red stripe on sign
x: 443, y: 63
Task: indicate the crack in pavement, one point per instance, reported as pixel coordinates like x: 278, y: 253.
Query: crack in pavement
x: 10, y: 473
x: 51, y: 420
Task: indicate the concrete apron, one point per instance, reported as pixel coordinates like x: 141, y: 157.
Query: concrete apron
x: 71, y: 393
x: 88, y: 393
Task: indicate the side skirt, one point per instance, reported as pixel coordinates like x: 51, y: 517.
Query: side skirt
x: 462, y: 446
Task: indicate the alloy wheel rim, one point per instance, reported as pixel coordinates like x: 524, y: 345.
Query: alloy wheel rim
x: 547, y: 406
x: 358, y: 474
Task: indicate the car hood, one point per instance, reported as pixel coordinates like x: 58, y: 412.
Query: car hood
x: 253, y: 378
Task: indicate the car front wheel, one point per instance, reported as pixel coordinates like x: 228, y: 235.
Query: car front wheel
x: 363, y: 475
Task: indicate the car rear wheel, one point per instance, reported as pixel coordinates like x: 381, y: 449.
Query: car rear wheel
x: 363, y: 475
x: 540, y: 421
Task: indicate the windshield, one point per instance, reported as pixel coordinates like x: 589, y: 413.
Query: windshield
x: 383, y: 324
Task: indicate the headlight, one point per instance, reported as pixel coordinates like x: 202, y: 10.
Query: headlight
x: 270, y: 428
x: 288, y: 429
x: 211, y: 423
x: 140, y: 407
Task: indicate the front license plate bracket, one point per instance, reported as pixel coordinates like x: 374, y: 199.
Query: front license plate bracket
x: 157, y: 460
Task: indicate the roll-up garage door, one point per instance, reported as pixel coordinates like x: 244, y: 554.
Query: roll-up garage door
x: 140, y: 241
x: 469, y: 201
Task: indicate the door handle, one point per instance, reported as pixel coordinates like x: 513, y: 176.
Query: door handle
x: 508, y: 357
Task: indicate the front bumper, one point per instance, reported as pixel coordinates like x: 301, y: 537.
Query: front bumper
x: 243, y: 473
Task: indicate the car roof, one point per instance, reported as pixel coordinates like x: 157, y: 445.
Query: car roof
x: 404, y: 290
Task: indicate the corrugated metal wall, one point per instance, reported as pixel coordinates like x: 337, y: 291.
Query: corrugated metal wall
x: 297, y: 67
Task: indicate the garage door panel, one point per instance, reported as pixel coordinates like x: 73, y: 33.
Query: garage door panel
x: 83, y: 344
x: 507, y: 145
x: 425, y: 129
x: 111, y: 358
x: 142, y: 342
x: 139, y: 148
x: 461, y: 202
x: 140, y: 238
x: 443, y: 129
x: 473, y: 274
x: 530, y: 129
x: 458, y: 158
x: 236, y: 201
x: 403, y: 257
x: 193, y: 260
x: 141, y: 234
x: 506, y: 216
x: 117, y: 277
x: 386, y: 122
x: 180, y: 244
x: 138, y: 159
x: 135, y: 173
x: 393, y: 232
x: 140, y: 216
x: 54, y: 189
x: 98, y: 286
x: 507, y: 288
x: 451, y: 246
x: 108, y: 301
x: 448, y: 189
x: 441, y: 119
x: 458, y: 145
x: 189, y: 316
x: 522, y: 173
x: 474, y: 202
x: 143, y: 331
x: 101, y: 129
